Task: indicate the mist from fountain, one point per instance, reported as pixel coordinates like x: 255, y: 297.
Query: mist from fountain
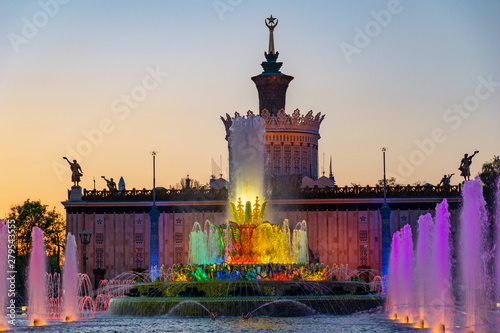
x: 473, y: 221
x: 3, y: 275
x: 70, y: 281
x: 37, y: 307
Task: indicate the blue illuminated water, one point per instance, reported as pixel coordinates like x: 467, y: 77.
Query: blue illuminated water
x: 364, y: 322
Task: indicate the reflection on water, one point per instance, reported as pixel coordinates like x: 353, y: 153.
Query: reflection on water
x: 365, y: 322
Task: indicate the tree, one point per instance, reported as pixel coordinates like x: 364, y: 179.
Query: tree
x: 489, y: 174
x: 34, y: 213
x: 389, y: 181
x: 27, y: 216
x: 189, y: 183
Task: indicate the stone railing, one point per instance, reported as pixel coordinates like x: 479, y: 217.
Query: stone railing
x: 306, y: 193
x: 397, y: 191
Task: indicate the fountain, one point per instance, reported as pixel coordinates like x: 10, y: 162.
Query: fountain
x: 432, y: 291
x: 3, y: 275
x: 497, y: 220
x: 247, y: 238
x: 246, y: 143
x: 405, y: 274
x: 37, y: 307
x: 441, y: 300
x: 70, y: 281
x: 248, y: 263
x: 423, y: 258
x: 473, y: 222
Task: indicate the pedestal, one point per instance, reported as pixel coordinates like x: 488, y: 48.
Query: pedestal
x: 75, y: 194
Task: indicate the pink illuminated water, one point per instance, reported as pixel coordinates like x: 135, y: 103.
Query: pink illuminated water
x: 405, y: 275
x: 392, y: 283
x: 497, y: 220
x: 423, y: 258
x: 70, y: 281
x: 37, y: 308
x: 400, y: 285
x: 442, y: 302
x: 472, y: 223
x: 3, y: 274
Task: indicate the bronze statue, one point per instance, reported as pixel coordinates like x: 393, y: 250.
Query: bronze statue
x: 465, y: 165
x: 446, y: 180
x: 110, y: 182
x: 76, y: 171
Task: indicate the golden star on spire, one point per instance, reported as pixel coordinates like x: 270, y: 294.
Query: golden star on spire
x: 270, y: 22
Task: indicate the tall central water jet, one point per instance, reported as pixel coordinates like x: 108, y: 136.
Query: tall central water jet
x: 37, y: 306
x: 473, y: 222
x: 246, y: 144
x: 70, y: 280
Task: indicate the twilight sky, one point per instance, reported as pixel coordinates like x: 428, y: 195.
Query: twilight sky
x: 107, y: 82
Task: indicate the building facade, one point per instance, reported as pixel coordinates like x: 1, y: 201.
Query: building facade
x: 343, y: 224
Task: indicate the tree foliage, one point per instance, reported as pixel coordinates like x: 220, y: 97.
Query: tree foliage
x: 34, y: 213
x: 489, y: 175
x: 26, y: 216
x: 389, y: 181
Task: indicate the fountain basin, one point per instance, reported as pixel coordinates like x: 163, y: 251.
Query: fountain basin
x: 262, y: 298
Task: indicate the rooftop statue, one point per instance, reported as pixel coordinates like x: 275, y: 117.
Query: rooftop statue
x: 111, y: 183
x: 76, y: 171
x: 465, y: 165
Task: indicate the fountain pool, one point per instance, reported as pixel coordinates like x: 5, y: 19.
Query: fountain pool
x: 375, y: 322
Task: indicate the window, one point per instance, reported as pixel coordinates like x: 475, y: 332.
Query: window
x: 99, y: 238
x: 99, y: 258
x: 178, y: 237
x: 363, y: 255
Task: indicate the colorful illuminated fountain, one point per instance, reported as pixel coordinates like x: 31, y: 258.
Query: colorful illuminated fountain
x: 247, y: 238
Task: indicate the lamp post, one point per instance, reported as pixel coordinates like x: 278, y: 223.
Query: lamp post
x: 85, y: 237
x: 154, y: 215
x: 385, y: 213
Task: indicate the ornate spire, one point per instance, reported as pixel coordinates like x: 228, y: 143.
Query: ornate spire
x: 331, y: 171
x: 271, y: 83
x: 271, y: 25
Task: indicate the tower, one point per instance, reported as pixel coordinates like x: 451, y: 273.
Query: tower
x: 271, y: 83
x: 291, y: 143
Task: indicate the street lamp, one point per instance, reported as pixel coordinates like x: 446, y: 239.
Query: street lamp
x: 85, y: 237
x: 154, y: 245
x: 385, y: 213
